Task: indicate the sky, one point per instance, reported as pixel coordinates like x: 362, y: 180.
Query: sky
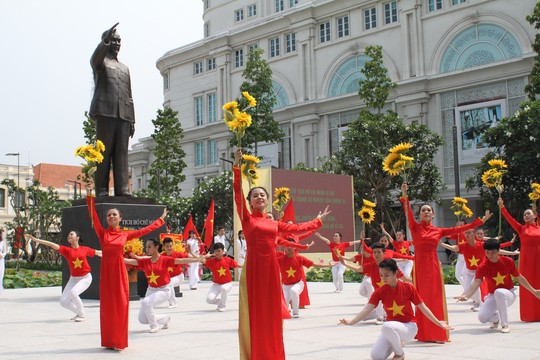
x: 46, y: 81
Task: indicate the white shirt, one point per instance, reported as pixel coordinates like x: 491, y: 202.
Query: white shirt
x: 194, y: 246
x: 220, y: 239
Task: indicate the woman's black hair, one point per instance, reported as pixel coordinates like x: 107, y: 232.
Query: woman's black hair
x: 78, y: 233
x: 340, y: 234
x: 424, y: 204
x: 117, y: 209
x: 389, y: 264
x: 167, y: 240
x: 156, y: 243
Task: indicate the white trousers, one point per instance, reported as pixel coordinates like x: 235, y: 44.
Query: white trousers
x: 292, y: 295
x: 154, y: 297
x: 406, y: 267
x: 70, y: 296
x: 460, y: 266
x: 217, y: 294
x: 393, y: 335
x: 193, y: 273
x: 468, y: 278
x: 175, y: 281
x: 337, y: 275
x: 2, y: 269
x: 495, y: 306
x: 366, y: 290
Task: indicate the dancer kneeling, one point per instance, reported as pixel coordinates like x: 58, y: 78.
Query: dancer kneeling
x: 156, y: 269
x: 396, y: 297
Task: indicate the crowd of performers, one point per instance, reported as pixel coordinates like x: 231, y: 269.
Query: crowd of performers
x: 394, y: 280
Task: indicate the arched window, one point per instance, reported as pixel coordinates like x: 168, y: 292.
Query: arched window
x: 347, y: 76
x: 479, y: 45
x: 282, y: 99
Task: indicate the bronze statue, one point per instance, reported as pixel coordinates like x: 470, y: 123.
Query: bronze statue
x: 112, y: 109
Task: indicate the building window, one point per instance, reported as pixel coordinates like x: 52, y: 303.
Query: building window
x: 390, y: 12
x: 211, y: 64
x: 239, y: 15
x: 457, y: 2
x: 198, y: 67
x: 206, y: 4
x: 212, y: 152
x: 434, y: 5
x: 292, y: 3
x: 252, y: 47
x: 324, y: 32
x: 274, y: 47
x: 166, y: 81
x: 252, y: 10
x: 370, y: 18
x: 211, y: 102
x: 290, y: 42
x: 199, y: 120
x: 279, y: 5
x: 239, y: 58
x: 206, y: 29
x: 343, y: 26
x: 2, y: 198
x: 199, y: 154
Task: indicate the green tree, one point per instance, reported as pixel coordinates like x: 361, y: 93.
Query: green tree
x: 368, y: 139
x: 166, y: 170
x: 258, y: 82
x: 515, y: 139
x: 38, y: 213
x: 89, y: 129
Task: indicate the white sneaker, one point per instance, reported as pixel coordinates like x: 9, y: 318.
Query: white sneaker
x: 166, y: 325
x: 80, y: 318
x: 153, y: 330
x: 494, y: 325
x: 379, y: 321
x: 505, y: 330
x: 172, y: 306
x: 296, y: 316
x: 475, y: 307
x: 73, y: 318
x: 221, y: 308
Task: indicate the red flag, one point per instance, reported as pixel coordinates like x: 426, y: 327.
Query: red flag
x: 190, y: 226
x: 209, y: 226
x: 288, y: 213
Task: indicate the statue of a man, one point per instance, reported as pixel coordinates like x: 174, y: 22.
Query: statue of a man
x: 112, y: 109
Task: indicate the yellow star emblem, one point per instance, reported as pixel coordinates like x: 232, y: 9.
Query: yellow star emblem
x: 499, y: 279
x: 291, y: 272
x: 473, y: 261
x: 221, y: 271
x: 77, y: 263
x: 380, y: 283
x: 338, y: 252
x: 461, y: 242
x: 403, y: 251
x: 170, y: 269
x: 396, y: 309
x: 152, y: 278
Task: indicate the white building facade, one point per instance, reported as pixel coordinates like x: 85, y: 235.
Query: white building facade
x: 456, y: 62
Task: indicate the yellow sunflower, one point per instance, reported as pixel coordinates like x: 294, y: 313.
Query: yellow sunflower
x: 367, y: 215
x: 178, y: 246
x: 388, y: 164
x: 251, y: 99
x: 499, y: 163
x: 369, y: 204
x: 250, y: 159
x: 459, y: 200
x: 400, y: 148
x: 134, y: 246
x: 466, y: 211
x: 491, y: 177
x: 535, y: 186
x: 406, y: 158
x: 230, y: 106
x: 100, y: 146
x: 534, y: 196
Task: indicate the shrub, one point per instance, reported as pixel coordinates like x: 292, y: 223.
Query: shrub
x: 29, y: 279
x: 23, y: 264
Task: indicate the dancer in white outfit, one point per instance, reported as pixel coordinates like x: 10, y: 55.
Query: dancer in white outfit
x: 81, y: 276
x: 241, y: 245
x: 193, y: 249
x: 397, y: 298
x: 3, y: 253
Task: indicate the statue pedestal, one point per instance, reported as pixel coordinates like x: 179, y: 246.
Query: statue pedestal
x: 137, y: 213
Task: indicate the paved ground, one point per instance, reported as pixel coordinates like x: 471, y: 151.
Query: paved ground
x: 33, y: 325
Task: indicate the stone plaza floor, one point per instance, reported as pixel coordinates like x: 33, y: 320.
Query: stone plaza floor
x: 33, y: 325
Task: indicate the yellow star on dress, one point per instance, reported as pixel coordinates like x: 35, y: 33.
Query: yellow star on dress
x: 221, y: 271
x: 380, y: 283
x: 77, y: 263
x: 153, y: 278
x: 170, y: 269
x: 499, y: 279
x: 473, y: 261
x: 403, y: 251
x: 396, y: 309
x: 291, y: 272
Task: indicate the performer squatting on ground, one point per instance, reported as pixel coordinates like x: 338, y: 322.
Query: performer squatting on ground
x: 176, y: 272
x: 497, y: 270
x: 400, y: 327
x: 80, y: 272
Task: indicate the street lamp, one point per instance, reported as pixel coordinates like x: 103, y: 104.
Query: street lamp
x: 75, y: 184
x: 18, y: 155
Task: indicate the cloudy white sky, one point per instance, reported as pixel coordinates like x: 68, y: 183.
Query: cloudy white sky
x: 45, y: 76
